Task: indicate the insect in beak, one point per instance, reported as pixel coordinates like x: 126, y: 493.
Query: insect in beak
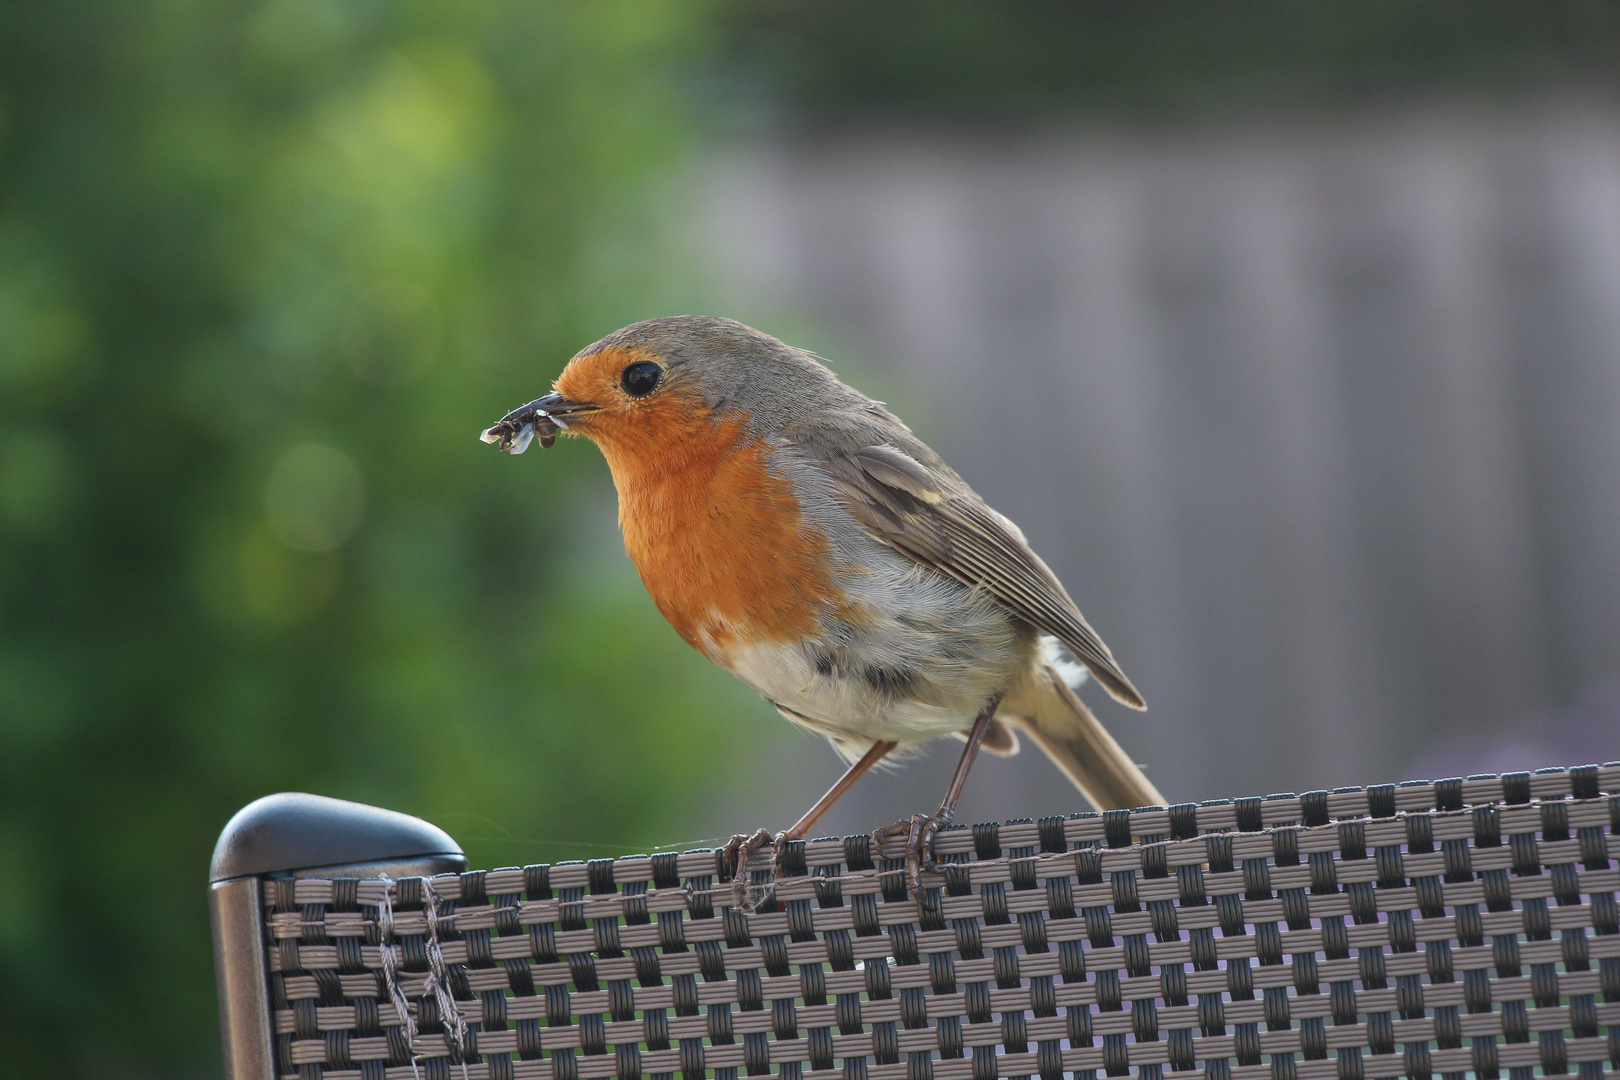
x: 541, y: 418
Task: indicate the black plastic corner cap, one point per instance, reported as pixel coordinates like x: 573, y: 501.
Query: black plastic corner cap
x: 292, y: 831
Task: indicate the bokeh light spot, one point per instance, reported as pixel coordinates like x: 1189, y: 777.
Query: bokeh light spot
x: 315, y: 499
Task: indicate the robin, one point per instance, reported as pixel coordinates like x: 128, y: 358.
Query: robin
x: 797, y: 533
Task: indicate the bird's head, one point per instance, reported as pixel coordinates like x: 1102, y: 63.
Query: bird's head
x: 644, y: 389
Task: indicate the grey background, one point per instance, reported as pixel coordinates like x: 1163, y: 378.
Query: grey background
x: 1316, y: 418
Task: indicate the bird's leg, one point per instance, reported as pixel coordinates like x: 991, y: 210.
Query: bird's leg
x: 919, y: 829
x: 834, y: 793
x: 739, y: 849
x: 736, y: 854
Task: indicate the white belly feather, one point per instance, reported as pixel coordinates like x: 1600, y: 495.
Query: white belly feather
x: 919, y: 657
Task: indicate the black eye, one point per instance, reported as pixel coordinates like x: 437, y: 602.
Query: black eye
x: 641, y: 378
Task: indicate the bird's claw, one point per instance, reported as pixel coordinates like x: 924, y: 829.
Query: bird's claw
x: 919, y: 831
x: 735, y: 856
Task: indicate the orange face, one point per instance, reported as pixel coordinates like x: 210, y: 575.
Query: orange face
x: 627, y: 404
x: 717, y: 537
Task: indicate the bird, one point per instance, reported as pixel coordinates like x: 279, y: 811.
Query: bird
x: 799, y: 535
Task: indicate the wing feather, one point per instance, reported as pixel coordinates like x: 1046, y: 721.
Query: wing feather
x: 901, y: 502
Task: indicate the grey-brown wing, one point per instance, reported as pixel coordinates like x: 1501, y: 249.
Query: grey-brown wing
x: 898, y: 500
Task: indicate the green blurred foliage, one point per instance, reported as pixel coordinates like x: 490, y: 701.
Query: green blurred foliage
x: 265, y: 271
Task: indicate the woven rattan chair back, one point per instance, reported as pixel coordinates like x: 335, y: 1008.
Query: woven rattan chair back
x: 1457, y: 928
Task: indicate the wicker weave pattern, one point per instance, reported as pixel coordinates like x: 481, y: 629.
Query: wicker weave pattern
x: 1459, y: 927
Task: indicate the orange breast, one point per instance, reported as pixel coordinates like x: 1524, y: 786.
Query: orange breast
x: 717, y: 537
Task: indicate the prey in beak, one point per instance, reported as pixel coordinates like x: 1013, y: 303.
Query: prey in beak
x: 541, y: 418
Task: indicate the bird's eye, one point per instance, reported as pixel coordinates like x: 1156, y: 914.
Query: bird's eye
x: 641, y: 378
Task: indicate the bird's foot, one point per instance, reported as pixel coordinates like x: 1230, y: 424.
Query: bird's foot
x: 735, y: 856
x: 919, y: 831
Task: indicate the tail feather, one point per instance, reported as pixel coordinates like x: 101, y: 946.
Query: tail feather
x: 1078, y: 744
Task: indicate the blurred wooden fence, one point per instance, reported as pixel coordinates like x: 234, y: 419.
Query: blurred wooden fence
x: 1320, y: 422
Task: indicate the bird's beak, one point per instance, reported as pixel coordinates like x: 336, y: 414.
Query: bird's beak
x: 542, y: 417
x: 557, y: 407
